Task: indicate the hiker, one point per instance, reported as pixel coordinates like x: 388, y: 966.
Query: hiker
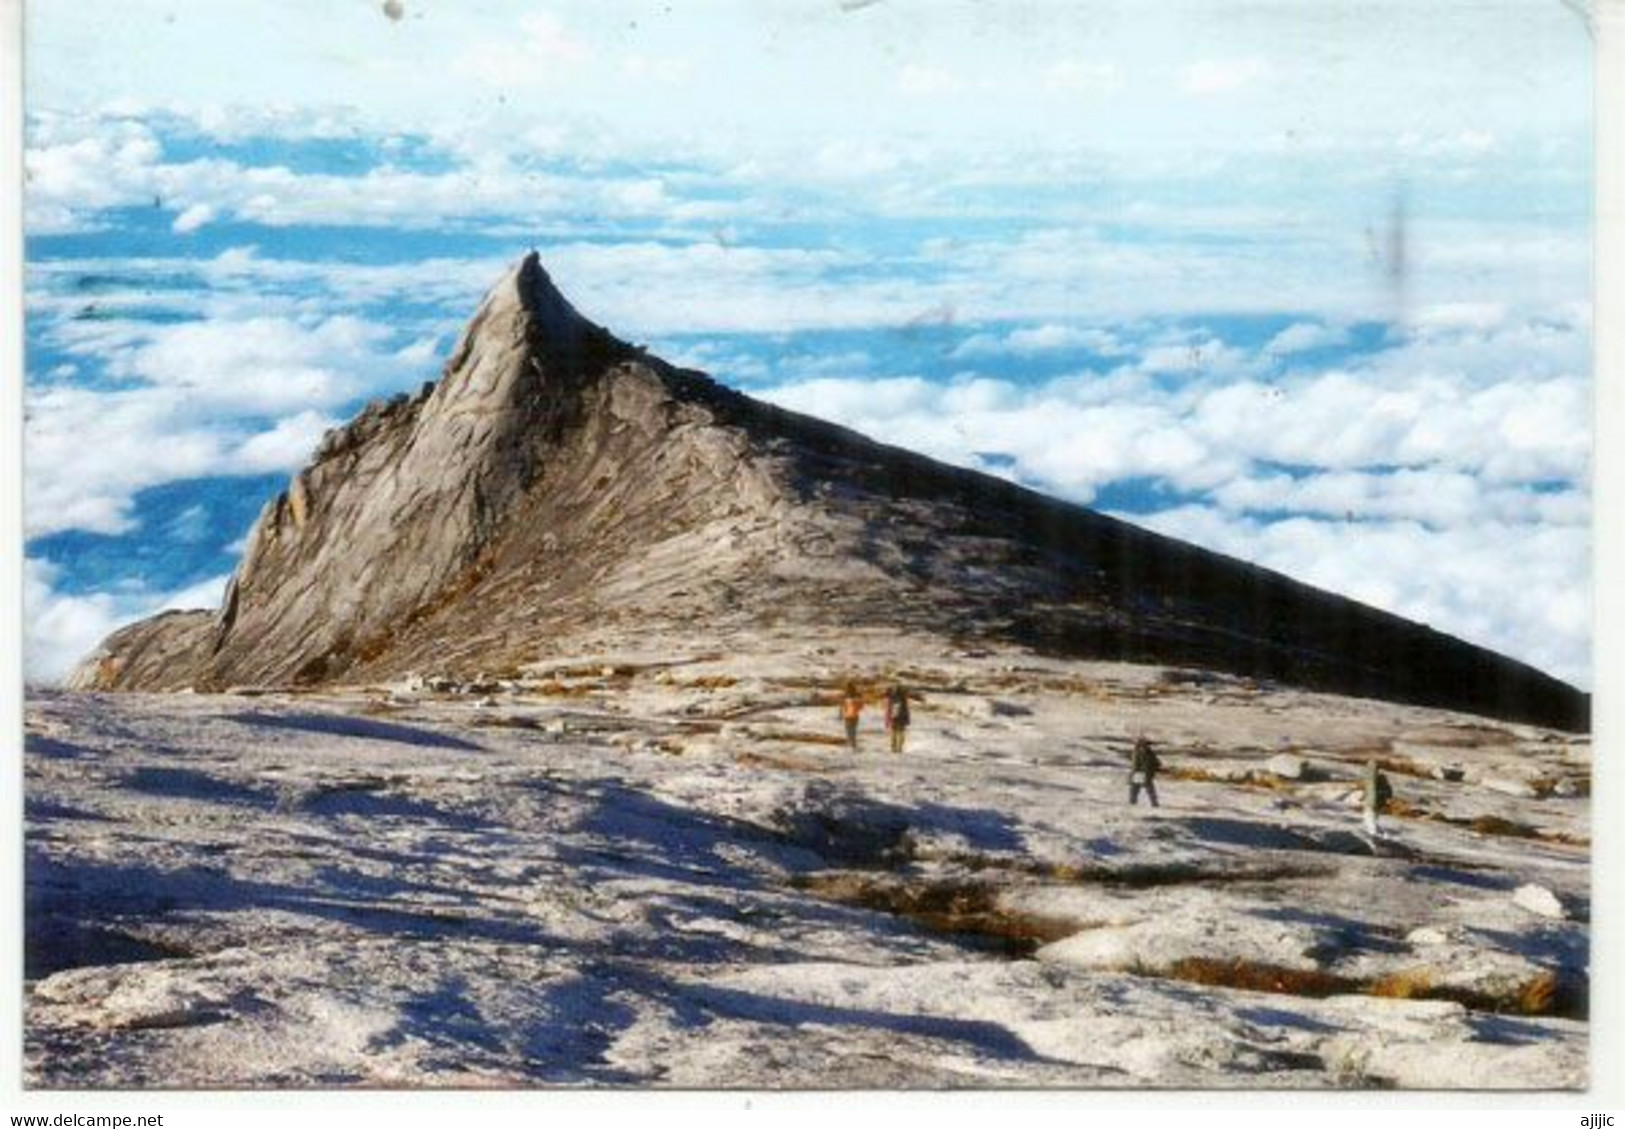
x: 1377, y: 794
x: 851, y: 707
x: 1142, y: 772
x: 897, y: 717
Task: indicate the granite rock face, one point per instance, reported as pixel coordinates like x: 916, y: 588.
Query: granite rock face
x: 558, y: 485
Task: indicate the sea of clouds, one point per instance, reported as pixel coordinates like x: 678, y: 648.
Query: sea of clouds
x: 1375, y: 382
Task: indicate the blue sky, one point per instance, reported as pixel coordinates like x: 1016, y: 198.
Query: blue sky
x: 1307, y: 284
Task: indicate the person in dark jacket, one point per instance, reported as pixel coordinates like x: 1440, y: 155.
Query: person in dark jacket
x: 1142, y: 772
x: 897, y: 717
x: 1377, y: 794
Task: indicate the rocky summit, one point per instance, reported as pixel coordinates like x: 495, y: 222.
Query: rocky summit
x: 558, y: 486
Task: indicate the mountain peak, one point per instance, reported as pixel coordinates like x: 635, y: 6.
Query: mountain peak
x: 525, y: 311
x: 552, y: 312
x: 558, y: 486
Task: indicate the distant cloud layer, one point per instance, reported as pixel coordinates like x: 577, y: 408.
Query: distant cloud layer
x: 1191, y: 288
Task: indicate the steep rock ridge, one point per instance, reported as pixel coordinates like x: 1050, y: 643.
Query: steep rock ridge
x: 558, y: 482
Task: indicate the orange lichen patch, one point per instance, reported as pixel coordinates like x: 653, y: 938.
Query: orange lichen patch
x: 1545, y: 993
x: 954, y: 906
x: 1407, y: 984
x: 708, y: 682
x: 1541, y: 995
x: 1401, y: 766
x: 555, y: 689
x: 1484, y: 824
x: 1496, y: 825
x: 1546, y: 786
x: 1256, y: 976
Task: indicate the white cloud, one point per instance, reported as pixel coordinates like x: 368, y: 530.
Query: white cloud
x: 1198, y: 356
x: 1034, y: 340
x: 193, y: 218
x: 849, y: 400
x: 1510, y: 431
x: 195, y: 405
x: 256, y: 365
x: 95, y: 164
x: 1303, y: 336
x: 1221, y: 76
x: 543, y: 51
x: 656, y: 69
x: 1423, y: 72
x: 499, y: 184
x: 1402, y: 408
x: 63, y: 628
x: 1430, y: 495
x: 205, y: 594
x: 1483, y: 316
x: 287, y: 445
x: 1076, y: 76
x: 920, y: 80
x: 1465, y: 143
x: 80, y: 168
x: 1063, y: 443
x: 849, y: 160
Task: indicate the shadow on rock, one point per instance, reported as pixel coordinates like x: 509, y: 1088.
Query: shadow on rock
x: 335, y: 725
x: 845, y: 826
x: 191, y: 784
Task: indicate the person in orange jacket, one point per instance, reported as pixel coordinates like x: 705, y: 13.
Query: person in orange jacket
x: 851, y: 708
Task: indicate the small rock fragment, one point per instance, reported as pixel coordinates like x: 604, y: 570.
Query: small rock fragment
x: 1539, y: 900
x: 1522, y: 789
x: 1287, y: 767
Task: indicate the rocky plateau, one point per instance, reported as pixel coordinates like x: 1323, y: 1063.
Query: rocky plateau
x: 664, y: 869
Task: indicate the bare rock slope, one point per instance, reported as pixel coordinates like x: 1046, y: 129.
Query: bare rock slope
x: 558, y: 483
x: 666, y: 871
